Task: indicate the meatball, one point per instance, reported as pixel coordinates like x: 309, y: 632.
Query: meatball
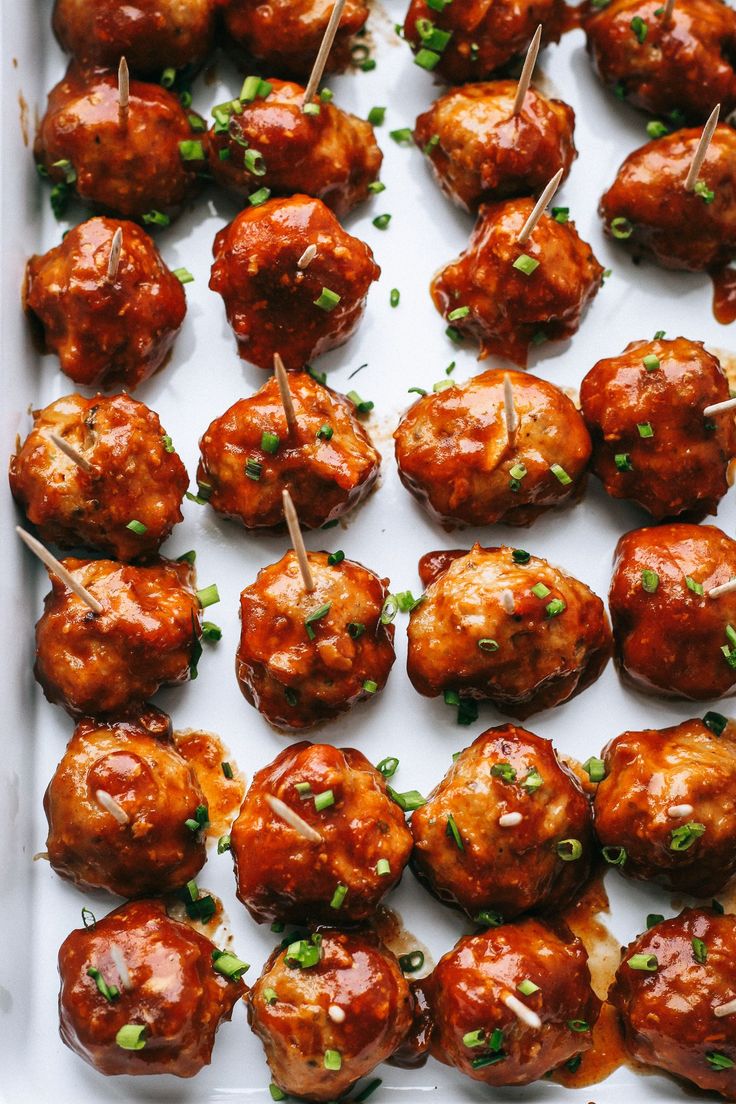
x: 106, y: 333
x: 328, y: 1010
x: 649, y: 211
x: 285, y: 35
x: 270, y: 142
x: 679, y: 67
x: 479, y: 151
x: 675, y: 994
x: 83, y: 145
x: 151, y: 34
x: 144, y: 993
x: 306, y: 657
x: 508, y: 296
x: 339, y: 876
x: 651, y: 443
x: 128, y: 501
x: 456, y: 456
x: 501, y: 624
x: 476, y: 989
x: 508, y: 829
x: 273, y: 304
x: 124, y: 809
x: 474, y: 40
x: 672, y: 638
x: 665, y: 811
x: 249, y: 456
x: 147, y: 635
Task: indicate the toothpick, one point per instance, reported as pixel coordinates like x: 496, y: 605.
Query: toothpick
x: 702, y: 149
x: 719, y: 407
x: 58, y: 569
x: 113, y: 807
x: 123, y: 90
x: 725, y: 1009
x: 287, y: 402
x: 509, y: 411
x: 71, y: 452
x: 282, y: 810
x: 526, y: 73
x: 297, y: 540
x: 539, y: 206
x: 115, y: 251
x: 677, y: 812
x: 723, y: 588
x: 510, y: 820
x: 527, y: 1015
x: 321, y: 60
x: 507, y: 601
x: 307, y: 257
x: 668, y: 9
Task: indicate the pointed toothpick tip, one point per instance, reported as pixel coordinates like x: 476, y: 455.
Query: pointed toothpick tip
x: 702, y: 149
x: 58, y: 569
x: 123, y: 88
x: 526, y: 73
x: 509, y: 409
x: 528, y: 227
x: 282, y: 379
x: 297, y: 540
x: 325, y: 46
x: 69, y: 450
x: 116, y: 247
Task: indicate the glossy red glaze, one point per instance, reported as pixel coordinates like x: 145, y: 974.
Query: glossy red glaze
x: 285, y: 35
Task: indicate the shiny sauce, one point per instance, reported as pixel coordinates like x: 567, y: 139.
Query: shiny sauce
x: 205, y: 754
x: 724, y: 295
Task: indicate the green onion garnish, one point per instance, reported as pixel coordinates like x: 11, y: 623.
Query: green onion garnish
x: 621, y: 228
x: 520, y: 556
x: 383, y: 867
x: 208, y: 596
x: 137, y: 527
x: 651, y: 362
x: 229, y: 965
x: 487, y: 645
x: 555, y: 607
x: 411, y: 962
x: 649, y: 581
x: 645, y: 429
x: 453, y: 832
x: 381, y: 222
x: 682, y: 838
x: 696, y: 588
x: 324, y: 800
x: 560, y: 214
x: 622, y: 460
x: 270, y: 441
x: 376, y: 115
x: 341, y: 892
x: 560, y: 473
x: 257, y: 198
x: 504, y: 771
x: 363, y: 406
x: 614, y: 856
x: 316, y: 615
x: 184, y: 276
x: 332, y: 1060
x: 388, y: 766
x: 595, y: 769
x: 700, y: 951
x: 223, y: 844
x: 458, y: 313
x: 527, y: 987
x: 227, y: 770
x: 525, y: 264
x: 716, y: 722
x: 569, y: 850
x: 327, y: 301
x: 646, y: 962
x: 719, y: 1061
x: 325, y: 432
x: 539, y: 590
x: 191, y: 150
x: 533, y: 781
x: 639, y: 28
x: 131, y: 1037
x: 109, y: 992
x: 407, y: 801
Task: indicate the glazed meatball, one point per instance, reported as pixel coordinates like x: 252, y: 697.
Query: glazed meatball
x: 675, y: 994
x: 474, y: 40
x: 128, y: 501
x: 651, y: 443
x: 152, y: 34
x: 477, y: 987
x: 83, y: 145
x: 649, y: 211
x: 328, y: 1010
x: 516, y: 295
x: 249, y: 456
x: 143, y: 993
x: 456, y: 456
x: 306, y: 657
x: 337, y: 877
x: 680, y: 67
x: 147, y: 635
x: 672, y: 638
x: 271, y: 143
x: 273, y: 304
x: 500, y: 624
x: 124, y: 809
x: 507, y: 830
x: 479, y: 151
x: 665, y: 811
x: 106, y: 333
x: 285, y: 35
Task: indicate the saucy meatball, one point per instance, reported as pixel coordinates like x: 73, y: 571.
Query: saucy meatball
x: 503, y: 625
x: 480, y: 151
x: 147, y: 635
x: 665, y: 810
x: 675, y: 995
x: 476, y: 989
x: 83, y: 145
x: 125, y: 810
x: 152, y: 34
x: 271, y: 143
x: 648, y: 210
x: 474, y: 40
x: 285, y: 35
x: 306, y: 657
x: 507, y: 830
x: 507, y: 296
x: 457, y: 457
x: 128, y: 501
x: 249, y: 456
x: 672, y: 638
x: 143, y: 993
x: 651, y: 443
x: 358, y: 849
x: 273, y: 304
x: 328, y: 1010
x: 680, y: 66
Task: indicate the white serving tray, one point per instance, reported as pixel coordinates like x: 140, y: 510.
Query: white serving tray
x: 403, y: 347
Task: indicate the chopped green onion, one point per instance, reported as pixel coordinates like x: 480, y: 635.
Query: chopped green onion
x: 614, y: 856
x: 311, y: 109
x: 270, y: 995
x: 88, y: 918
x: 402, y: 137
x: 187, y: 557
x: 621, y: 228
x: 335, y: 558
x: 645, y: 429
x: 276, y: 1092
x: 109, y: 992
x: 595, y: 769
x: 622, y: 460
x: 647, y: 962
x: 659, y: 335
x: 376, y: 186
x: 706, y: 194
x: 561, y: 214
x: 168, y: 77
x: 257, y: 198
x: 474, y: 1038
x: 569, y: 850
x: 533, y: 781
x: 363, y: 406
x: 504, y: 771
x: 211, y: 632
x: 431, y: 144
x: 229, y: 965
x: 639, y: 27
x: 520, y: 556
x: 191, y: 150
x: 199, y: 821
x: 651, y: 362
x: 355, y: 629
x: 383, y: 867
x: 68, y: 169
x: 488, y: 918
x: 487, y: 645
x: 411, y: 962
x: 719, y: 1061
x: 381, y: 222
x: 555, y: 607
x: 327, y: 95
x: 560, y: 473
x: 204, y: 493
x: 649, y: 581
x: 183, y: 275
x: 370, y: 686
x: 487, y: 1060
x: 227, y: 770
x: 394, y: 297
x: 716, y: 722
x: 657, y: 129
x: 390, y: 609
x: 208, y: 596
x: 304, y: 953
x: 696, y: 588
x: 426, y: 59
x: 223, y: 844
x: 327, y: 301
x: 654, y: 918
x: 341, y: 892
x: 332, y: 1060
x: 324, y: 800
x: 539, y: 590
x: 131, y: 1037
x: 316, y: 615
x: 325, y: 432
x: 578, y: 1025
x: 525, y: 264
x: 376, y: 115
x: 457, y: 313
x: 388, y: 766
x: 527, y: 987
x: 454, y: 334
x: 407, y: 801
x: 407, y: 601
x: 167, y: 443
x: 156, y: 218
x: 254, y: 88
x: 137, y: 527
x: 59, y: 200
x: 253, y: 469
x: 700, y: 951
x: 453, y: 832
x: 270, y: 441
x: 682, y: 838
x: 254, y: 163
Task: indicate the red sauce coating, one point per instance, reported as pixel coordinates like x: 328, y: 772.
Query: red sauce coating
x: 724, y: 295
x: 206, y: 754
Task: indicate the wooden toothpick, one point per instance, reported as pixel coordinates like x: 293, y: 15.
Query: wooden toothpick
x: 115, y: 251
x: 526, y: 73
x: 307, y: 257
x: 509, y: 410
x: 297, y: 540
x: 71, y: 452
x: 58, y: 569
x: 699, y: 156
x: 668, y: 9
x: 123, y: 90
x: 283, y: 812
x: 321, y: 60
x: 287, y: 402
x: 539, y: 206
x: 724, y: 588
x: 719, y: 407
x: 527, y: 1015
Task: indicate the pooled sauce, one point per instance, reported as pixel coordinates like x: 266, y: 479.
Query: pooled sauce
x: 205, y: 754
x: 414, y: 1050
x: 217, y: 928
x: 724, y: 295
x: 389, y: 927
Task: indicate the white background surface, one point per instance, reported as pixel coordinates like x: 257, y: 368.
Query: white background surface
x: 403, y: 347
